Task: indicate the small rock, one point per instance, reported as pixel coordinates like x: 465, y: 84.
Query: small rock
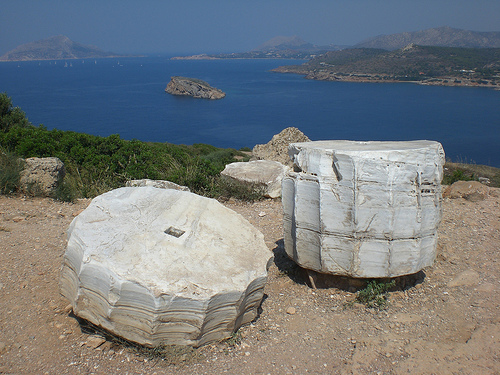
x: 76, y: 213
x: 105, y: 347
x: 262, y: 214
x: 358, y: 306
x: 486, y: 287
x: 3, y: 347
x: 95, y: 341
x: 484, y: 180
x: 291, y: 310
x: 465, y: 278
x: 472, y: 191
x: 17, y: 219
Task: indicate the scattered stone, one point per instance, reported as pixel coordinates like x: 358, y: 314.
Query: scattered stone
x: 106, y: 346
x: 18, y: 219
x: 291, y: 310
x: 484, y: 180
x: 193, y: 87
x: 43, y: 174
x: 363, y: 209
x: 277, y: 148
x: 465, y: 278
x: 473, y: 191
x: 262, y: 214
x: 3, y: 348
x: 95, y: 341
x: 161, y: 266
x: 486, y: 287
x: 161, y: 184
x: 262, y: 174
x: 76, y: 213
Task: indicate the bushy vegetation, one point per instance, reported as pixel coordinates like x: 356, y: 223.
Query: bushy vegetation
x: 10, y: 167
x: 98, y: 164
x: 375, y: 294
x: 468, y: 171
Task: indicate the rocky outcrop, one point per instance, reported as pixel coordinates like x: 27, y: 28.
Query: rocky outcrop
x: 193, y: 87
x: 261, y: 174
x: 42, y: 175
x: 161, y: 184
x: 473, y: 191
x: 162, y: 266
x: 363, y: 209
x: 277, y: 148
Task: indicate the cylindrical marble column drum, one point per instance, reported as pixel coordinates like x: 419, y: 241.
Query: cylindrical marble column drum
x: 363, y: 209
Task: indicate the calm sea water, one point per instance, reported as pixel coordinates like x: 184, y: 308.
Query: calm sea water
x: 126, y: 97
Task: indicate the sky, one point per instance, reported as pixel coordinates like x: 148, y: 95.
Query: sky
x: 212, y: 26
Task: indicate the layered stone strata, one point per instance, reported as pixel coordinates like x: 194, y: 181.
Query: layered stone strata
x: 161, y: 266
x: 363, y: 209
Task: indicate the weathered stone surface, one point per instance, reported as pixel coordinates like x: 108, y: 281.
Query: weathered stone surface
x: 267, y: 174
x: 473, y: 191
x: 162, y: 266
x: 193, y: 87
x: 363, y: 209
x: 277, y: 148
x: 44, y: 173
x: 161, y: 184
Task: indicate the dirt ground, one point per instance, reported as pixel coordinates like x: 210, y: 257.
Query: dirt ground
x: 443, y: 320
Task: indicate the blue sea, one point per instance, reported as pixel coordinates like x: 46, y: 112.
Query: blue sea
x: 126, y: 97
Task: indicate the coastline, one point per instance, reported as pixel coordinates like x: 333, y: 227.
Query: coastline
x: 324, y: 75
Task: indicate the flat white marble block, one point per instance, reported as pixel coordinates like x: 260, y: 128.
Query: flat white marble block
x: 158, y: 266
x: 363, y: 209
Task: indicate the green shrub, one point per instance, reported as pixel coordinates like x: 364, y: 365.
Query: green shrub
x: 10, y: 172
x: 227, y: 188
x: 374, y: 295
x: 66, y: 191
x: 458, y: 175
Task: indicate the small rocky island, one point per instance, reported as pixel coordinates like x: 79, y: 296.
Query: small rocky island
x: 193, y: 87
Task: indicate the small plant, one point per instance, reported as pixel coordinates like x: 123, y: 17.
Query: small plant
x: 65, y: 191
x: 169, y: 354
x: 235, y: 339
x: 374, y: 295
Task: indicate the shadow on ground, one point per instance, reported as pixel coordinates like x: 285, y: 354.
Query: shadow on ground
x: 287, y: 267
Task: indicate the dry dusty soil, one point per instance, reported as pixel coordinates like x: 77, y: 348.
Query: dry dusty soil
x: 443, y: 320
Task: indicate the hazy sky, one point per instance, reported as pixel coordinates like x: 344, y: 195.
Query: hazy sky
x: 208, y: 26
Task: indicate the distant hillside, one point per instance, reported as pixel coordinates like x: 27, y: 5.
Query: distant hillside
x: 54, y: 48
x: 442, y: 36
x: 283, y: 43
x: 423, y: 64
x: 280, y: 47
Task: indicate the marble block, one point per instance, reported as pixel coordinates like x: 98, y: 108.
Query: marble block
x: 161, y: 266
x: 363, y: 209
x: 264, y: 174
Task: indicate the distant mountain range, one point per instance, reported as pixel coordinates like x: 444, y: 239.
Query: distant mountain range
x: 55, y: 48
x: 295, y: 47
x: 441, y: 36
x: 61, y: 47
